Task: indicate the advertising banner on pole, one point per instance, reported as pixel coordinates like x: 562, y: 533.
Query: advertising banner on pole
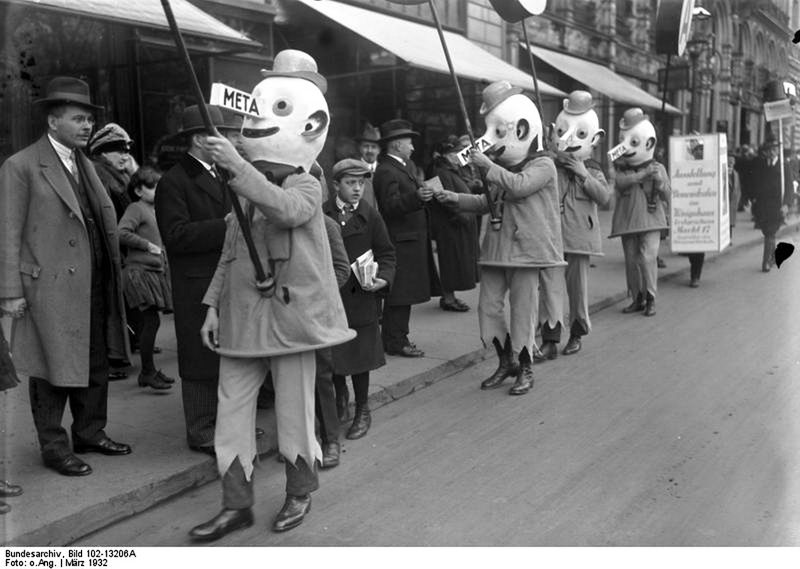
x: 700, y: 207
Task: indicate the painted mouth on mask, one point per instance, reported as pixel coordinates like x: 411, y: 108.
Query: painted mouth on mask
x: 494, y: 153
x: 259, y: 132
x: 572, y: 149
x: 629, y: 154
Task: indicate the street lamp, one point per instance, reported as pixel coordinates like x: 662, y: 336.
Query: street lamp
x: 695, y: 48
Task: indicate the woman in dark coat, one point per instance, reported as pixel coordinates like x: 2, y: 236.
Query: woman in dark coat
x: 8, y: 379
x: 362, y: 230
x: 456, y: 233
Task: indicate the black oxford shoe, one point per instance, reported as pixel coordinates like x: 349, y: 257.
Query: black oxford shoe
x: 407, y: 351
x: 330, y: 455
x: 292, y: 513
x: 550, y: 350
x: 222, y: 524
x: 69, y: 465
x: 573, y: 346
x: 8, y: 490
x: 103, y: 446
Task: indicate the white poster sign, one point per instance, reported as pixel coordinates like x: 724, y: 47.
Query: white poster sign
x: 700, y: 207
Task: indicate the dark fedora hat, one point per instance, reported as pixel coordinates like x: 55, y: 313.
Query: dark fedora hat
x: 370, y: 134
x: 396, y: 128
x: 192, y: 120
x: 70, y: 90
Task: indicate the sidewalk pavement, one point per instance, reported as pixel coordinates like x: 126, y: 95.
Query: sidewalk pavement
x: 57, y: 510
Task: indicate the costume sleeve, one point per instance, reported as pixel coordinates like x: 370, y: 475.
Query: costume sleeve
x: 211, y: 298
x: 391, y: 202
x: 384, y: 252
x: 179, y: 232
x: 596, y: 187
x: 475, y: 203
x: 661, y: 182
x: 130, y: 222
x: 537, y: 175
x: 341, y: 262
x: 14, y: 202
x: 290, y: 205
x: 624, y: 179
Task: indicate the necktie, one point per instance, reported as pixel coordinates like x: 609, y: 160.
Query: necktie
x: 73, y: 165
x: 347, y: 212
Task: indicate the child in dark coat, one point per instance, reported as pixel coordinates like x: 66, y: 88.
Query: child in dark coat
x: 362, y: 229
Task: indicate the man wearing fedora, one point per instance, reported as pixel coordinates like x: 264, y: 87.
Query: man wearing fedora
x: 60, y: 274
x: 403, y: 202
x: 770, y: 203
x: 369, y: 149
x: 191, y: 205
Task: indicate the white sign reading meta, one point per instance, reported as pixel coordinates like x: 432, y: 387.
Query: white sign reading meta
x: 233, y: 99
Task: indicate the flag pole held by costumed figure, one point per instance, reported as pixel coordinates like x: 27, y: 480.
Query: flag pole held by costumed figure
x: 494, y: 218
x: 265, y: 282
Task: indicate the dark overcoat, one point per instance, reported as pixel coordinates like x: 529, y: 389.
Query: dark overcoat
x: 190, y: 210
x: 766, y: 194
x: 456, y: 235
x: 115, y: 183
x: 46, y: 257
x: 406, y: 218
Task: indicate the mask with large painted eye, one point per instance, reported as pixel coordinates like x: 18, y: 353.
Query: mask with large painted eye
x: 638, y: 134
x: 293, y: 124
x: 514, y: 128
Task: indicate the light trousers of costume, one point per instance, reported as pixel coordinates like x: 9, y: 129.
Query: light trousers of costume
x: 641, y: 262
x: 522, y: 287
x: 551, y: 302
x: 240, y: 379
x: 577, y: 277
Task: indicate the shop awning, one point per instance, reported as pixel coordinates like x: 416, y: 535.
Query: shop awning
x: 419, y: 45
x: 602, y: 79
x: 147, y: 14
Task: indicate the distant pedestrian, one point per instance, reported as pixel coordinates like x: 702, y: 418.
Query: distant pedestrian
x: 362, y: 230
x: 734, y: 190
x: 145, y: 281
x: 455, y: 232
x: 403, y: 203
x: 8, y: 379
x: 770, y: 206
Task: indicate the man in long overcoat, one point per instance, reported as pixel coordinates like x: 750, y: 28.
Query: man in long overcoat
x: 60, y: 268
x: 402, y: 202
x: 191, y: 205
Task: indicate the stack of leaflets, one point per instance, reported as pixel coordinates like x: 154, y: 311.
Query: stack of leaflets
x: 365, y: 269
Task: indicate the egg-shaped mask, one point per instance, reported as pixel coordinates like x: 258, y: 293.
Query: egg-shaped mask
x: 577, y: 128
x: 638, y: 135
x: 293, y: 122
x: 514, y: 128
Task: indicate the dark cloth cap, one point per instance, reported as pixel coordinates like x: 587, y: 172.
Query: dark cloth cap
x: 68, y: 90
x: 352, y: 167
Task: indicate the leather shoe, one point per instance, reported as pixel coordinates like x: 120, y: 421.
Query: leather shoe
x: 292, y: 513
x: 103, y: 446
x: 457, y: 305
x: 361, y: 424
x: 550, y: 350
x: 117, y: 375
x: 8, y: 490
x: 573, y: 346
x: 330, y: 455
x: 69, y: 465
x: 650, y: 309
x: 636, y: 306
x: 156, y: 380
x: 222, y: 524
x: 538, y: 356
x: 205, y: 449
x: 408, y: 351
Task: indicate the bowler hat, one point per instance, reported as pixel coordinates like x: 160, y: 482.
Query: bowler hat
x: 352, y: 167
x: 370, y: 134
x: 110, y: 138
x: 192, y: 120
x: 496, y: 93
x: 396, y: 128
x: 296, y: 63
x: 68, y: 90
x: 578, y: 102
x: 631, y: 118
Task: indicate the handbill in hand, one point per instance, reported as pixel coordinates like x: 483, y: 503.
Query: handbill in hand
x: 365, y: 269
x: 436, y: 184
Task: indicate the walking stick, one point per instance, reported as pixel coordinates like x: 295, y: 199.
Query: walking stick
x: 265, y: 282
x: 494, y: 218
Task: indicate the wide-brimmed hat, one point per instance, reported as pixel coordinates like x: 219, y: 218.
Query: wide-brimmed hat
x: 192, y: 120
x: 110, y: 138
x: 578, y: 102
x: 233, y: 120
x: 352, y: 167
x: 296, y: 63
x: 631, y: 118
x: 396, y: 128
x: 496, y: 93
x: 370, y: 134
x: 68, y: 90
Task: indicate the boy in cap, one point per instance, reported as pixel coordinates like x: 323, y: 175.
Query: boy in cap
x: 362, y: 230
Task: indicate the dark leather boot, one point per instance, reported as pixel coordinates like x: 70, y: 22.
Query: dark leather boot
x: 292, y: 513
x: 650, y: 306
x: 549, y: 350
x: 343, y: 404
x: 361, y: 423
x: 524, y: 381
x: 636, y: 306
x: 505, y: 368
x: 222, y: 524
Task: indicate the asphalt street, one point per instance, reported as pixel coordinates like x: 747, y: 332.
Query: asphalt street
x: 679, y: 429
